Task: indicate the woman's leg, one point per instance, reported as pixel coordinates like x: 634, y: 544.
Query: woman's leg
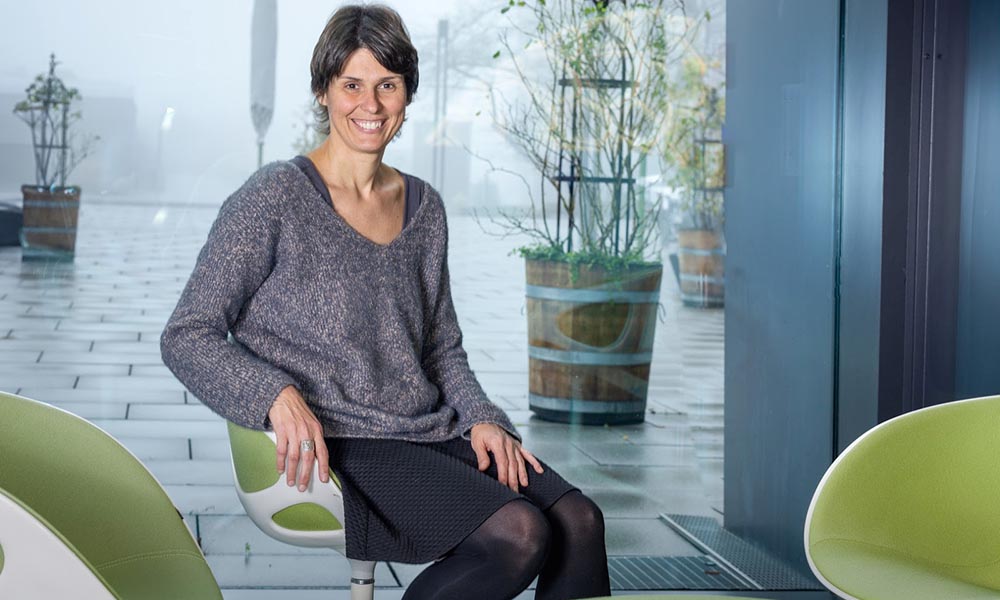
x: 577, y: 565
x: 495, y: 562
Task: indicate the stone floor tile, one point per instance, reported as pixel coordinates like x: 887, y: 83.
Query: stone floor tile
x: 191, y: 472
x: 9, y: 356
x: 646, y: 455
x: 558, y: 453
x: 19, y: 333
x: 179, y: 412
x: 146, y: 449
x: 30, y: 370
x: 151, y: 371
x: 164, y: 428
x: 639, y: 503
x: 36, y: 346
x: 93, y: 410
x: 644, y: 536
x: 289, y: 571
x: 12, y: 382
x: 129, y: 347
x: 202, y: 449
x: 129, y: 384
x: 99, y: 358
x: 205, y: 499
x: 49, y: 394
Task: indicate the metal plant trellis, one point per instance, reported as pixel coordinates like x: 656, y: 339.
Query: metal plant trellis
x: 47, y: 111
x: 581, y: 175
x: 591, y: 126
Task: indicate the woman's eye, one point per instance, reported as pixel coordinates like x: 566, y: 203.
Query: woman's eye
x: 389, y: 86
x: 352, y: 86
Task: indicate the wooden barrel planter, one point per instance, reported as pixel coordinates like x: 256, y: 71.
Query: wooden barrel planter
x: 702, y: 268
x: 590, y: 341
x: 50, y: 220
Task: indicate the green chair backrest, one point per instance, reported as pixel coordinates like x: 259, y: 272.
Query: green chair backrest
x: 101, y: 501
x: 925, y: 486
x: 254, y: 462
x: 253, y: 458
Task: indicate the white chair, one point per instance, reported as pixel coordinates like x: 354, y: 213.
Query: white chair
x: 313, y: 518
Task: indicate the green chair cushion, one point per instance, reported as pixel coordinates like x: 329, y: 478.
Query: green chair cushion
x: 96, y: 496
x: 255, y: 453
x: 917, y: 497
x: 307, y: 516
x: 876, y: 573
x: 254, y: 459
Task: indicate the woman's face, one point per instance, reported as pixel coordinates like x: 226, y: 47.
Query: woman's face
x: 366, y: 103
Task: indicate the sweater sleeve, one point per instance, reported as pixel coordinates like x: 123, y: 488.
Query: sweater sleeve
x: 237, y: 257
x: 446, y: 363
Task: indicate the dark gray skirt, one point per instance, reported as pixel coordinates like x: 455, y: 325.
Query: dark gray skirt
x: 412, y: 503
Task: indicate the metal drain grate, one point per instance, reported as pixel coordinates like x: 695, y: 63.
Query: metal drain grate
x: 670, y: 573
x: 744, y: 560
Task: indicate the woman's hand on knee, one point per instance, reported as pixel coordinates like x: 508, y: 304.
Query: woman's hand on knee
x: 294, y: 423
x: 507, y: 452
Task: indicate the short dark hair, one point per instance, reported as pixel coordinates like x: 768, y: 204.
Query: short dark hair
x: 375, y: 27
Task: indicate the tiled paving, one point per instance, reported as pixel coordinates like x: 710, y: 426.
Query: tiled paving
x: 84, y: 336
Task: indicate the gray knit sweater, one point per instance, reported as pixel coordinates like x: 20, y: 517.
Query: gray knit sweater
x: 366, y: 332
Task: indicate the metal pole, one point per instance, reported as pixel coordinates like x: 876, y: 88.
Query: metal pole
x: 440, y: 106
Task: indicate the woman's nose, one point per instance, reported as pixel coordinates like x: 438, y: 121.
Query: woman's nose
x: 370, y: 101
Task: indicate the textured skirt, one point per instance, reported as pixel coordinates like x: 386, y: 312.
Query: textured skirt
x: 413, y: 502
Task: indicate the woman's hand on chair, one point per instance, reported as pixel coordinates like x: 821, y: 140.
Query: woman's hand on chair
x: 293, y: 423
x: 507, y: 451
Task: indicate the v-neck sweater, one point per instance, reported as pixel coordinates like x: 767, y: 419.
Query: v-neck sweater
x: 367, y: 332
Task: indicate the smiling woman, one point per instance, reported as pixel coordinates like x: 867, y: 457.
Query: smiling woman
x: 331, y: 273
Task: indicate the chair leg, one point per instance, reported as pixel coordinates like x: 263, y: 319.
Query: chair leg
x: 362, y: 579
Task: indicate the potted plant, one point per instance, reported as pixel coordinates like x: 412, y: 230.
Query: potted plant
x: 693, y: 150
x: 587, y: 124
x: 51, y: 208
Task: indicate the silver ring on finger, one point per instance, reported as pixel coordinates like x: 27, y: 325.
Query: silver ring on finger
x: 307, y: 446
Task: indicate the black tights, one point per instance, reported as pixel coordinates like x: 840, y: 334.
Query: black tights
x: 564, y: 547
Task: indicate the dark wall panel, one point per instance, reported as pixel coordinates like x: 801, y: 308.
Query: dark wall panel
x: 978, y: 338
x: 782, y: 88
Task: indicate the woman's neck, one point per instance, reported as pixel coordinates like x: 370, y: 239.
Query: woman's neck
x: 352, y: 172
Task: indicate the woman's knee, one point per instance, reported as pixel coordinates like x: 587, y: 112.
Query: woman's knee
x: 527, y: 532
x: 517, y: 536
x: 578, y: 516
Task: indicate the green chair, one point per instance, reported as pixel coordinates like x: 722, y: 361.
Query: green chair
x: 81, y: 517
x: 910, y: 509
x: 313, y: 518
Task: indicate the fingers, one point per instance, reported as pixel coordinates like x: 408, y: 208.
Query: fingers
x: 294, y: 423
x: 481, y: 454
x: 323, y: 456
x: 522, y: 473
x: 528, y: 456
x: 500, y: 455
x: 282, y: 448
x: 512, y: 456
x: 292, y: 466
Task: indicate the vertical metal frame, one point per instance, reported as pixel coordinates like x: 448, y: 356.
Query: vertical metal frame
x: 925, y: 90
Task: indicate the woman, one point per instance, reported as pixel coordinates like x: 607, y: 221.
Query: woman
x: 330, y: 272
